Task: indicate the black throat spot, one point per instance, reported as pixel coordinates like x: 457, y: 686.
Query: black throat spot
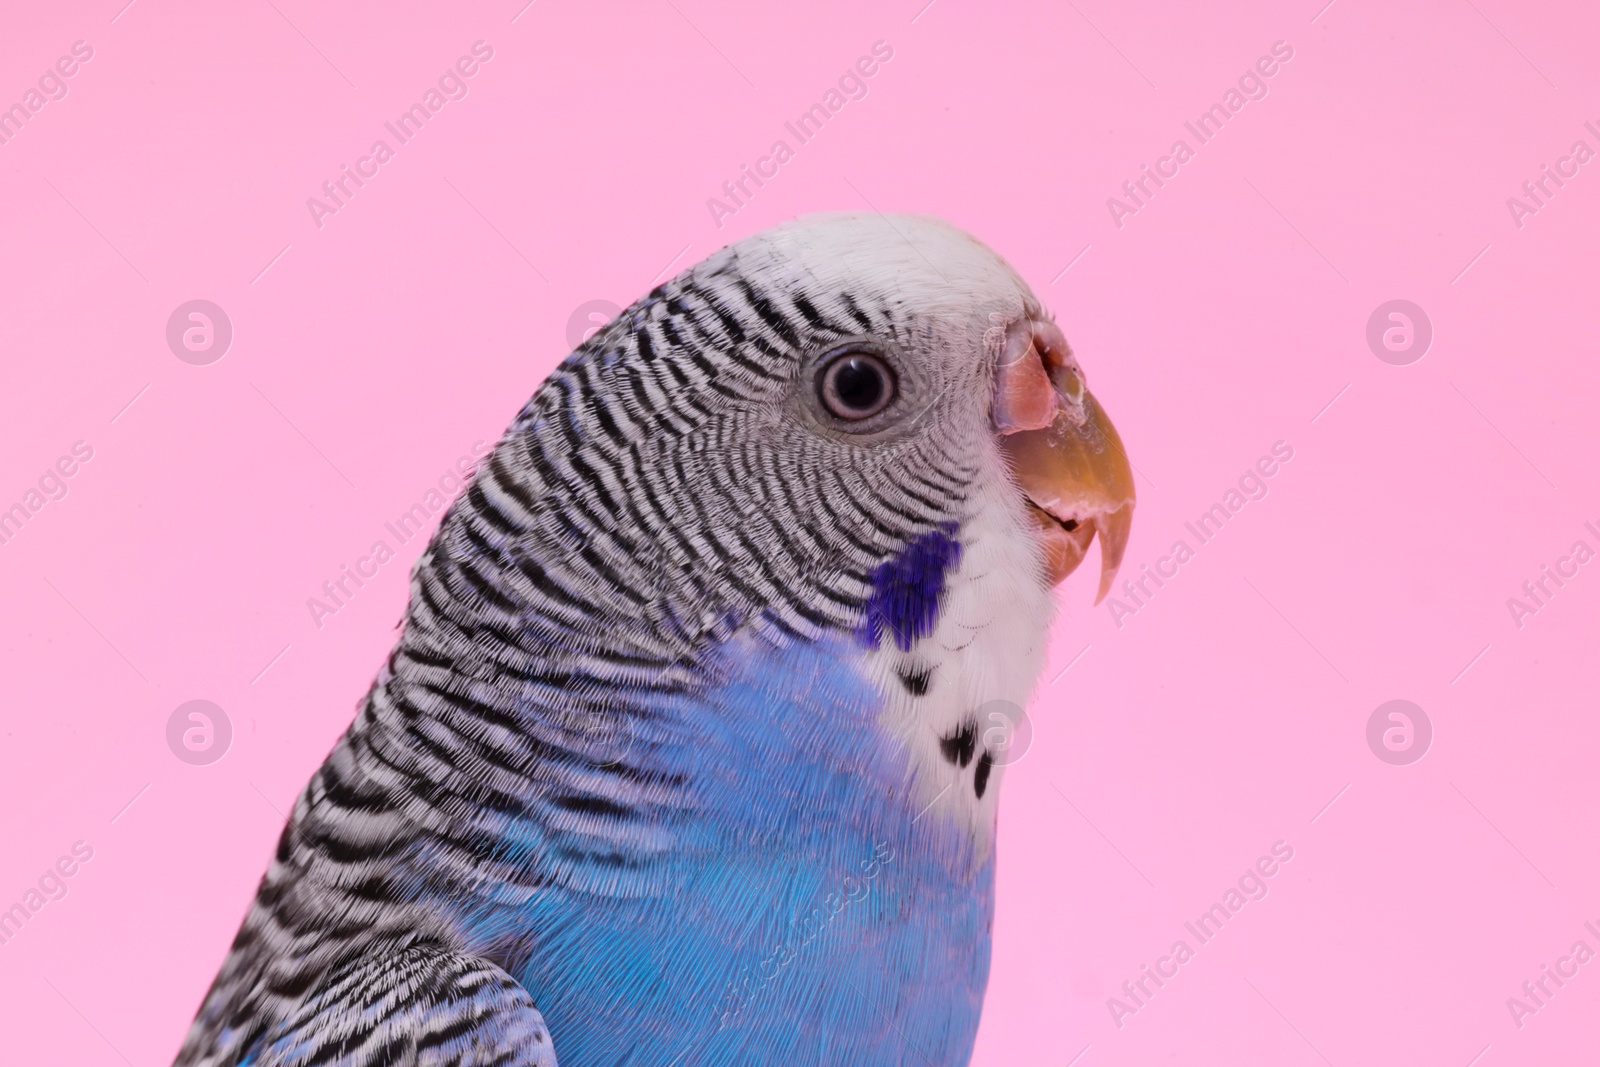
x: 959, y: 746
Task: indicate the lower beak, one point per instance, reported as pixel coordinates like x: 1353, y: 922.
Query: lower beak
x: 1064, y: 453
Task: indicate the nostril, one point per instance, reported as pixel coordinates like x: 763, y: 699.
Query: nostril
x: 1059, y: 362
x: 1052, y: 345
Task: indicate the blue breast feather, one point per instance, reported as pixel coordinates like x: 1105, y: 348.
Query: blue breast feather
x: 790, y: 904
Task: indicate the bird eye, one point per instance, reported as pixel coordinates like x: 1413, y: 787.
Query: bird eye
x: 856, y: 385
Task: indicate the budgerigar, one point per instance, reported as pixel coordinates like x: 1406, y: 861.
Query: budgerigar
x: 678, y: 759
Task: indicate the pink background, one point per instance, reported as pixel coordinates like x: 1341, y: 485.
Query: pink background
x: 1222, y: 317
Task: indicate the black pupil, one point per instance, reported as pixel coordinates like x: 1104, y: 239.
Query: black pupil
x: 859, y: 383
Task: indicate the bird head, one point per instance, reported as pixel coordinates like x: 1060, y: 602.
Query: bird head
x: 802, y: 432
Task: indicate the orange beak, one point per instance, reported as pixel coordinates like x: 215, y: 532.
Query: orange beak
x: 1065, y: 455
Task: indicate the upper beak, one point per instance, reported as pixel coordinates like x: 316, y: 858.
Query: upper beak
x: 1064, y: 452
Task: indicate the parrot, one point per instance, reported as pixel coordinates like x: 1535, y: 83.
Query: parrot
x: 678, y: 756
